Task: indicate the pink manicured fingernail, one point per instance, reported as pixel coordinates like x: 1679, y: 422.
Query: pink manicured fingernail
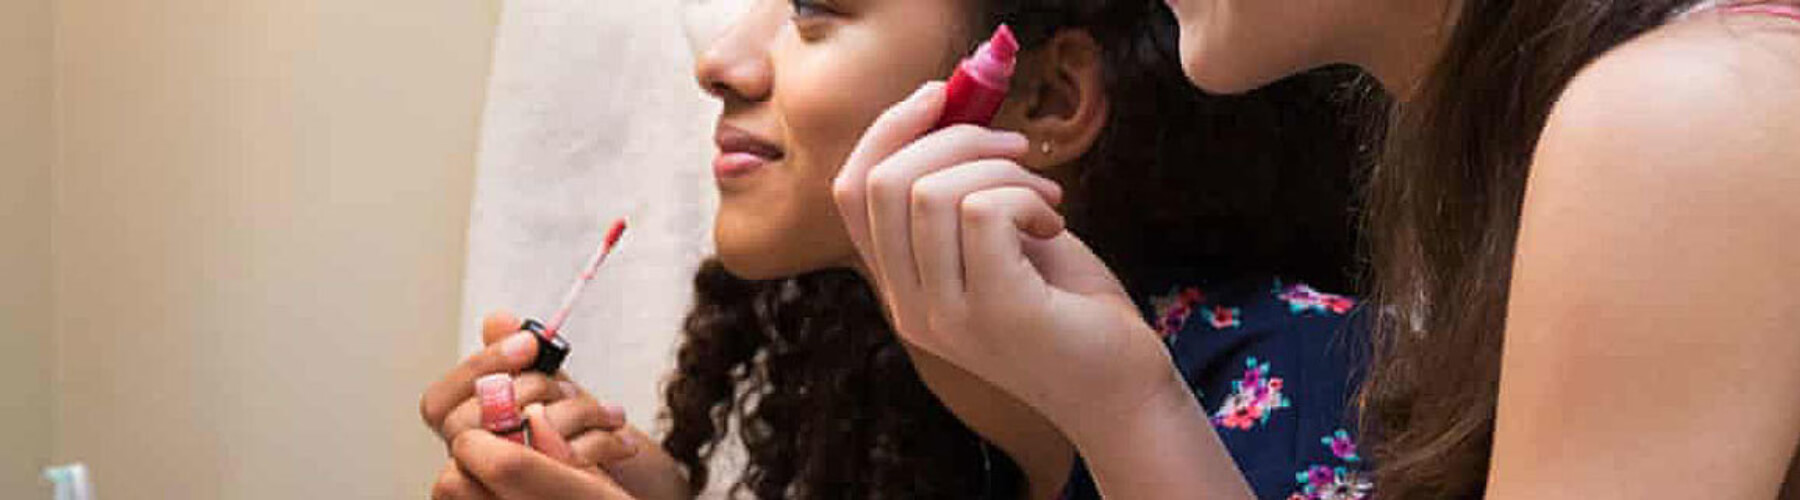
x: 613, y: 410
x: 569, y: 389
x: 516, y: 345
x: 628, y: 441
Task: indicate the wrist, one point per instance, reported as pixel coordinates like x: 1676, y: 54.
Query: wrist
x: 1158, y: 395
x: 1163, y: 445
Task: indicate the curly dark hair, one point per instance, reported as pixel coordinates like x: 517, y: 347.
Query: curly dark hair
x: 809, y: 374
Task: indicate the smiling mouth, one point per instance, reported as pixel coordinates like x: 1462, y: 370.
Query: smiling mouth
x: 742, y: 154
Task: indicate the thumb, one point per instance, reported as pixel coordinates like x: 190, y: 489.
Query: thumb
x: 544, y: 437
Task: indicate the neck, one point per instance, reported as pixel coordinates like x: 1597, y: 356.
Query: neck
x: 1403, y: 40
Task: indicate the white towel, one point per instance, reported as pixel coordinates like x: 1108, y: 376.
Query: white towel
x: 592, y: 111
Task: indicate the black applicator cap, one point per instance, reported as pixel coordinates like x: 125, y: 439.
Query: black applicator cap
x: 551, y: 350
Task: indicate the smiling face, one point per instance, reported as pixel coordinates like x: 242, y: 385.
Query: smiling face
x: 800, y: 80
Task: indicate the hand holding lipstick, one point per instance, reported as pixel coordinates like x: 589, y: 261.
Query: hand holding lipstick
x: 579, y: 445
x: 451, y: 406
x: 972, y: 260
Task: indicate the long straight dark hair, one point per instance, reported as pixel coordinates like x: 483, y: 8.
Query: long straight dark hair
x: 1443, y: 215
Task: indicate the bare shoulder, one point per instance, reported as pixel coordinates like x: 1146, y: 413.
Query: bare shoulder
x: 1656, y: 257
x: 1705, y: 110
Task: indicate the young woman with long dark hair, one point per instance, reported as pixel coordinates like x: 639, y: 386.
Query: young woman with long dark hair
x: 789, y: 353
x: 1581, y: 235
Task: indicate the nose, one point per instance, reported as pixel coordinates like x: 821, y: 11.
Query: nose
x: 735, y: 67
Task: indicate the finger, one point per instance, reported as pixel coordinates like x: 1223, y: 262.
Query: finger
x: 528, y: 388
x: 936, y: 205
x: 606, y: 449
x: 1068, y: 264
x: 891, y: 185
x: 465, y: 417
x: 507, y: 356
x: 995, y: 223
x: 514, y: 471
x: 581, y: 414
x: 896, y: 127
x: 453, y: 484
x: 544, y: 436
x: 533, y: 387
x: 497, y: 325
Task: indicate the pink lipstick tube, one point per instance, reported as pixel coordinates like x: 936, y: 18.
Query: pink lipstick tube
x: 975, y: 92
x: 499, y: 408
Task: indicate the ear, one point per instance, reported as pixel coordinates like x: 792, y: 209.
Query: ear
x: 1058, y: 98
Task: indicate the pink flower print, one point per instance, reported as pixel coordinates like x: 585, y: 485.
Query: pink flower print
x: 1302, y: 298
x: 1223, y: 317
x: 1172, y: 310
x: 1253, y: 398
x: 1342, y: 446
x: 1332, y: 483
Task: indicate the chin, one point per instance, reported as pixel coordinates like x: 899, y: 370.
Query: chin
x: 1227, y: 72
x: 750, y: 267
x: 754, y: 259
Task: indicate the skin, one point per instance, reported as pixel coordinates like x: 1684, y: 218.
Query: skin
x: 1654, y: 253
x: 781, y: 72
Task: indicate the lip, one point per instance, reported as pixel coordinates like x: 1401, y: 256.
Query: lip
x: 741, y: 153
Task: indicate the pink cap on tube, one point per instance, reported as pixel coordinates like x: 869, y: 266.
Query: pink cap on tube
x: 499, y: 408
x: 975, y: 91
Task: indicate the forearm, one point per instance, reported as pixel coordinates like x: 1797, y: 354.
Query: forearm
x: 1160, y: 447
x: 1030, y: 440
x: 651, y: 474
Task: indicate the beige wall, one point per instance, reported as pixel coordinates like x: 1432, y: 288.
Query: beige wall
x: 260, y: 218
x: 26, y: 144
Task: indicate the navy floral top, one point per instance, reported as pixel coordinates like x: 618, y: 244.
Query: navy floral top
x: 1274, y: 365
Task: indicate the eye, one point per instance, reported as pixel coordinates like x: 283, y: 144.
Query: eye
x: 809, y: 9
x: 812, y: 18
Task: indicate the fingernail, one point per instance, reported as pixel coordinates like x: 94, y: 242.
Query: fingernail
x: 516, y: 345
x: 568, y: 388
x: 613, y: 410
x: 1013, y: 140
x: 628, y: 441
x: 923, y: 91
x: 536, y: 411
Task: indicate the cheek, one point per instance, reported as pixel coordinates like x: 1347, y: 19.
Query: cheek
x: 826, y: 108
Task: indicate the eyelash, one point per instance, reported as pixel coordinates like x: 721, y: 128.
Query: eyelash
x: 805, y: 9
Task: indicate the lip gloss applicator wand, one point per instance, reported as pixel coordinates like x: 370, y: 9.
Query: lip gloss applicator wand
x: 552, y: 347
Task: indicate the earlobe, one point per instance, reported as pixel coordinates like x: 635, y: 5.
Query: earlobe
x: 1065, y: 105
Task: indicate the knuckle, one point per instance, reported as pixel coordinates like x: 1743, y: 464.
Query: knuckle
x: 533, y: 387
x: 449, y: 484
x: 944, y: 322
x: 426, y: 414
x: 884, y: 183
x: 984, y: 207
x: 616, y: 450
x: 931, y: 194
x: 843, y: 192
x: 462, y: 444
